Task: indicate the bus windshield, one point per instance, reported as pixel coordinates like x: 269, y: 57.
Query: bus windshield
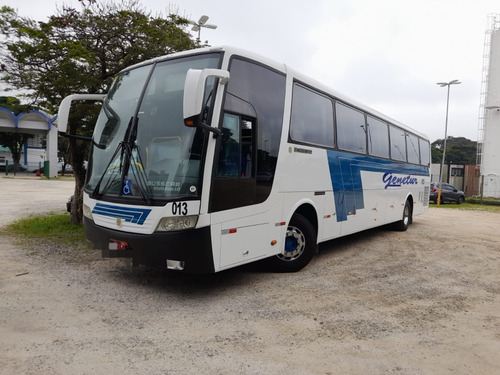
x: 141, y: 147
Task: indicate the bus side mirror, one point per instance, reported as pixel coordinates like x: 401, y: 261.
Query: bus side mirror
x: 194, y: 91
x: 65, y: 106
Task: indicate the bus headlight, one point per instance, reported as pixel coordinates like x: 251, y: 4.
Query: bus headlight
x: 87, y: 212
x: 168, y: 224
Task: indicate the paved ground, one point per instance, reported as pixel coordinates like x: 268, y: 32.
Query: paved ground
x: 23, y: 196
x: 425, y: 301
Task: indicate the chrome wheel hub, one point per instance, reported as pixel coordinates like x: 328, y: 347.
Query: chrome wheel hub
x: 295, y: 243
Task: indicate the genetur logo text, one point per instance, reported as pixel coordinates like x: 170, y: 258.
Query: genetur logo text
x: 394, y: 181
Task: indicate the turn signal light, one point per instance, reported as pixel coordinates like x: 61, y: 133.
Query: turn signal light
x: 118, y: 245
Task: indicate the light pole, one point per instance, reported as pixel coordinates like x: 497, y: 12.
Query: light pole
x: 202, y: 22
x: 445, y: 84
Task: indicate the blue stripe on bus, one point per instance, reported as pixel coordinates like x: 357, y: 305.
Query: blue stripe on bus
x: 345, y: 174
x: 131, y: 215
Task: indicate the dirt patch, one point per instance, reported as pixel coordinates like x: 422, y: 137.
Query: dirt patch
x: 425, y: 301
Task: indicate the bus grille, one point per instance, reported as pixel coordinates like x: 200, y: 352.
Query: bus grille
x: 426, y: 195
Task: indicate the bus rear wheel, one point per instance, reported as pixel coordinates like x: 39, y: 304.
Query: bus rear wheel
x: 299, y: 246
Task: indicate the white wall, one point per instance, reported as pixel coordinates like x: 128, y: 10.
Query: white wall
x: 490, y: 166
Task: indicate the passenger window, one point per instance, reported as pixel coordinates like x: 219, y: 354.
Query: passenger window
x: 351, y: 128
x: 247, y: 151
x: 398, y: 144
x: 424, y: 151
x: 312, y: 117
x: 412, y: 147
x: 378, y: 137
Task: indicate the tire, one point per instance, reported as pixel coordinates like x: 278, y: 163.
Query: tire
x: 460, y: 200
x: 298, y: 247
x: 407, y: 219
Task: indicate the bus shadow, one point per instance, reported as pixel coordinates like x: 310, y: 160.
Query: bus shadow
x: 360, y: 241
x: 166, y: 281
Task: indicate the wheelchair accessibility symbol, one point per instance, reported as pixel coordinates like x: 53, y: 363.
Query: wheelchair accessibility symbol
x: 127, y: 187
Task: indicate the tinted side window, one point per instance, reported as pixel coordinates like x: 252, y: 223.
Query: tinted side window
x: 261, y: 91
x: 230, y: 149
x: 351, y: 127
x: 378, y: 137
x: 412, y: 147
x: 398, y: 143
x: 252, y: 123
x: 312, y: 117
x: 424, y: 152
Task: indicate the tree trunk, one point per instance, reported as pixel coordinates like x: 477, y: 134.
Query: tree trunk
x: 16, y: 156
x: 77, y: 154
x: 76, y: 217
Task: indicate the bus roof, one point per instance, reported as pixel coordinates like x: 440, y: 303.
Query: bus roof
x: 313, y: 83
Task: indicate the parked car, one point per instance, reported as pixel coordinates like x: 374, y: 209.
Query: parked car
x: 11, y: 168
x: 69, y: 203
x: 67, y: 168
x: 449, y: 193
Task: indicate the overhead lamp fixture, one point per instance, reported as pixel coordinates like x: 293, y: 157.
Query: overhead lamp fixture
x: 444, y: 84
x: 497, y: 107
x: 202, y: 22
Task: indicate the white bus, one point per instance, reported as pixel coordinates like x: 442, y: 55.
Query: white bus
x: 212, y: 158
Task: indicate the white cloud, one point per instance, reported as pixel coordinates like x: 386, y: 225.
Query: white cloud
x: 386, y: 53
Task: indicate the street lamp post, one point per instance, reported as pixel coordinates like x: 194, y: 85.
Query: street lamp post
x: 445, y: 84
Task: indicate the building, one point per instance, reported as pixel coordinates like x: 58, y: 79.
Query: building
x: 463, y: 176
x: 39, y: 149
x: 33, y: 158
x: 488, y: 155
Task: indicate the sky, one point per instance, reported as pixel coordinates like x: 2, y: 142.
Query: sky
x: 387, y: 54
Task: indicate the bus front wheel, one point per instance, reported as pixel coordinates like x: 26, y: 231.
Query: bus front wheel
x: 407, y: 218
x: 299, y: 246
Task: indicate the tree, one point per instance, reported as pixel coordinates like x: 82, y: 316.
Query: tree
x: 81, y: 51
x: 12, y: 140
x: 15, y: 143
x: 459, y: 150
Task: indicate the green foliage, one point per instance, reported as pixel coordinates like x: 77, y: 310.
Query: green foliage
x: 14, y: 105
x: 53, y: 227
x: 436, y: 154
x: 468, y: 206
x: 80, y: 51
x: 459, y: 150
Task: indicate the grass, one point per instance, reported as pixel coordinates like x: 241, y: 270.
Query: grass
x: 468, y: 206
x: 52, y: 227
x: 55, y: 227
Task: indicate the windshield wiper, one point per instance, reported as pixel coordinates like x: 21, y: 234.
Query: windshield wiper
x: 96, y: 192
x: 127, y: 159
x: 126, y: 148
x: 138, y: 173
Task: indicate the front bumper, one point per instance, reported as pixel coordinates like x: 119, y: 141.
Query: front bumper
x: 193, y: 247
